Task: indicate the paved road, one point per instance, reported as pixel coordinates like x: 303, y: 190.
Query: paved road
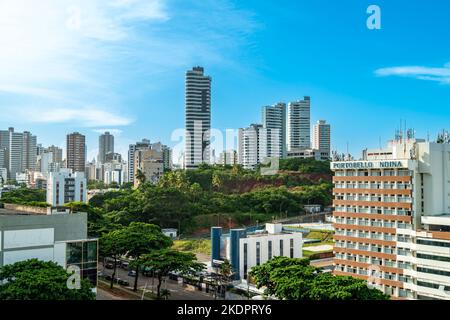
x: 177, y: 291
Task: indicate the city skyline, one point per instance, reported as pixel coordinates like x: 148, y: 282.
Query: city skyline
x: 382, y: 75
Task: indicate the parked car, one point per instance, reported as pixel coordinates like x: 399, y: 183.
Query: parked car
x: 132, y: 273
x: 123, y: 282
x: 109, y: 266
x: 125, y: 265
x: 108, y: 277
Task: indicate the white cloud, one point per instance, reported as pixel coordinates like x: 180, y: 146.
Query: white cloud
x: 438, y: 74
x: 84, y: 117
x: 116, y: 132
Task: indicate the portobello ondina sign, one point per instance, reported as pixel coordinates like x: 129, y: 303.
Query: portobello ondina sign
x: 387, y: 164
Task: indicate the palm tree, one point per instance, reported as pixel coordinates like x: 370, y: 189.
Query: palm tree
x: 140, y: 176
x: 225, y: 272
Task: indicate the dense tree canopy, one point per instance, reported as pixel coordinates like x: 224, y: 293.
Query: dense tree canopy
x: 25, y: 196
x: 295, y: 279
x: 189, y: 200
x: 39, y: 280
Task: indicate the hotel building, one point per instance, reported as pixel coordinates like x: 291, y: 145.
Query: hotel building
x: 392, y: 218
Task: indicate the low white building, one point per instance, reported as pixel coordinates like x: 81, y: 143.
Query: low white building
x: 245, y: 250
x: 259, y: 248
x: 114, y: 172
x: 170, y: 232
x: 61, y: 238
x: 64, y: 187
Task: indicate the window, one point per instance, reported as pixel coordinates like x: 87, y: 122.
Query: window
x: 270, y: 249
x: 433, y: 271
x: 433, y: 257
x: 432, y: 285
x: 281, y: 248
x: 245, y: 260
x: 292, y: 248
x: 83, y: 254
x: 434, y: 243
x: 258, y: 253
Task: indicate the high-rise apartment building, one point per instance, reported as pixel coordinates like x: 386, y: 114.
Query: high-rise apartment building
x: 322, y: 138
x: 166, y: 154
x: 392, y: 218
x: 3, y: 158
x: 250, y: 146
x: 299, y: 124
x: 57, y: 154
x: 274, y: 120
x: 105, y: 146
x: 19, y: 151
x: 150, y: 163
x: 143, y: 145
x: 198, y: 118
x: 76, y: 152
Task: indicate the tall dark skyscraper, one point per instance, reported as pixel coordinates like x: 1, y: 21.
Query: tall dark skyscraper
x: 76, y: 152
x: 198, y: 118
x: 105, y: 146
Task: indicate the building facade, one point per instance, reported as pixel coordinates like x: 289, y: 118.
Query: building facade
x: 150, y: 163
x: 18, y: 151
x: 143, y: 145
x: 299, y: 124
x: 229, y: 158
x: 246, y: 250
x: 250, y: 146
x: 322, y: 138
x: 76, y: 152
x: 114, y: 171
x: 105, y: 146
x: 198, y: 118
x: 392, y: 218
x: 64, y: 187
x: 61, y: 238
x: 274, y: 120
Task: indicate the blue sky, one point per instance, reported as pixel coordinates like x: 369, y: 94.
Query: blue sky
x: 92, y: 65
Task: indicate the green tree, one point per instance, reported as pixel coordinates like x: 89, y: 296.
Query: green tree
x: 113, y: 245
x: 39, y: 280
x: 225, y: 273
x: 25, y: 196
x: 295, y: 279
x: 167, y: 260
x: 140, y: 239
